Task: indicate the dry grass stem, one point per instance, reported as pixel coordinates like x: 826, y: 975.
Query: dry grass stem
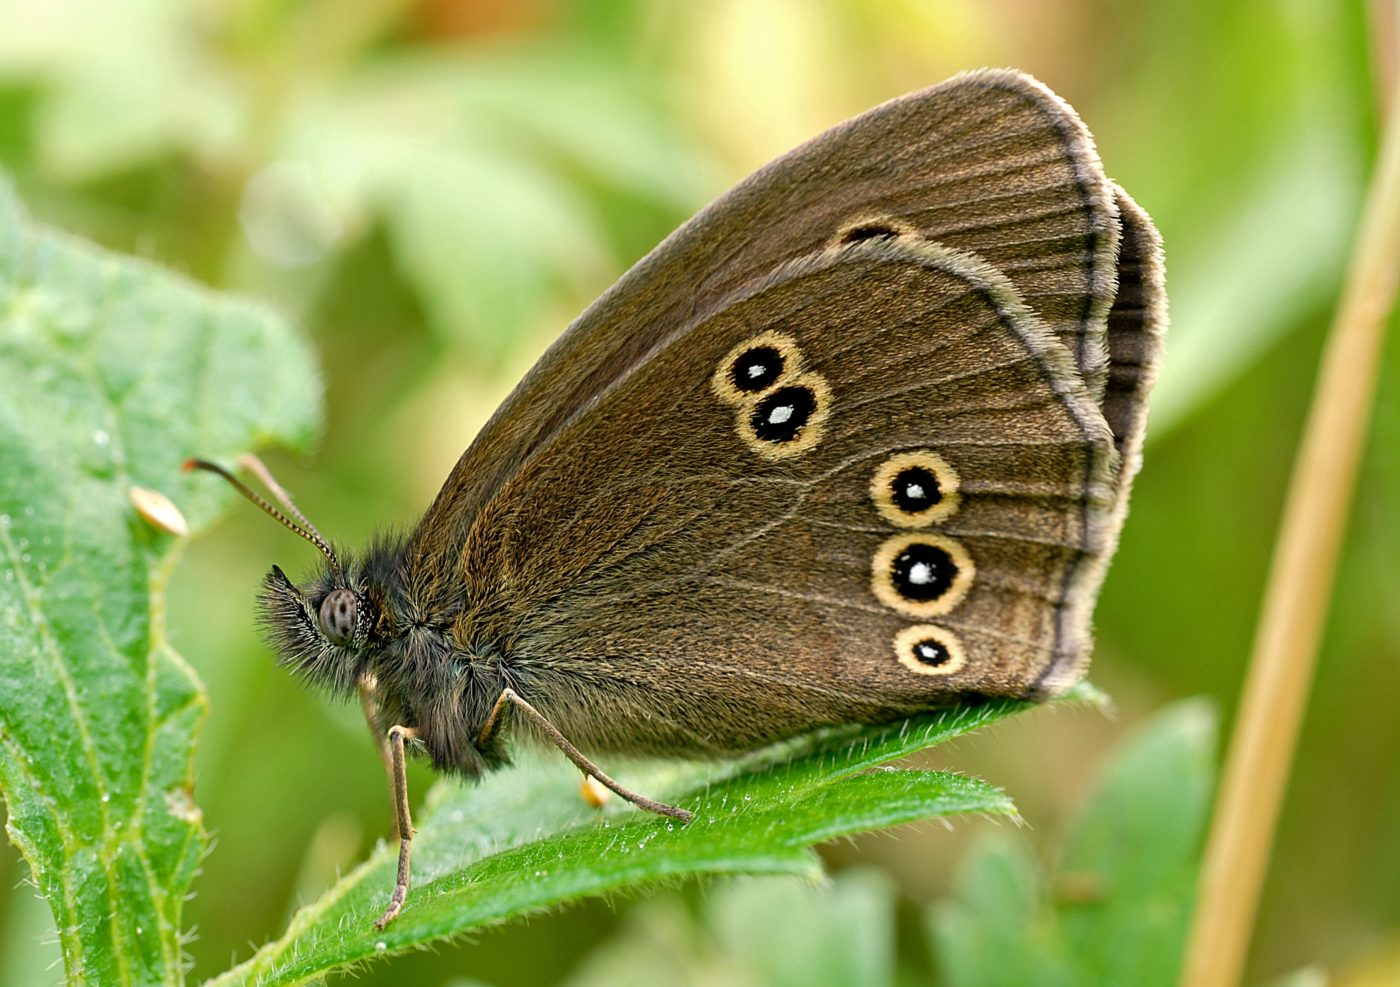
x: 1295, y: 603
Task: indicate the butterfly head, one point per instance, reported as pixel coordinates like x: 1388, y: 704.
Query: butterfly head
x: 321, y: 631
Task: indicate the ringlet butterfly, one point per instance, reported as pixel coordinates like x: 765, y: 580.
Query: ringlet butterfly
x: 853, y: 443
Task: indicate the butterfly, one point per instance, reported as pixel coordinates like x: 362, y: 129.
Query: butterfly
x: 853, y: 443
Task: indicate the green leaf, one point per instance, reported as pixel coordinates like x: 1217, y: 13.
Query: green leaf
x: 1136, y: 851
x: 791, y: 935
x: 1115, y: 909
x: 757, y: 933
x: 522, y: 840
x: 998, y: 928
x: 111, y: 373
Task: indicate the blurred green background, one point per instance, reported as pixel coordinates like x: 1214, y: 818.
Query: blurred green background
x: 434, y: 189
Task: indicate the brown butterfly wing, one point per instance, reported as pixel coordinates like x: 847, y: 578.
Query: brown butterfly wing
x: 1137, y: 322
x: 713, y: 588
x: 990, y: 162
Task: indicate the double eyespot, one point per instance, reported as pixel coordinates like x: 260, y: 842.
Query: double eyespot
x: 779, y: 410
x: 921, y: 573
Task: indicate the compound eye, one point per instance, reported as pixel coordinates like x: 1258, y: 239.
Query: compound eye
x: 338, y: 616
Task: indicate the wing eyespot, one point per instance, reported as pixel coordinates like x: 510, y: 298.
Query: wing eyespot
x: 872, y: 227
x: 755, y: 366
x: 787, y: 421
x: 915, y: 489
x: 928, y: 649
x: 779, y: 411
x: 921, y: 574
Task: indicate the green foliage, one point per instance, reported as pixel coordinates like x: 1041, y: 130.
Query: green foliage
x: 111, y: 373
x: 1114, y: 909
x: 759, y: 934
x: 476, y: 164
x: 523, y: 840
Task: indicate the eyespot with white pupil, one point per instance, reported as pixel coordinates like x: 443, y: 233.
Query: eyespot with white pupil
x: 922, y: 575
x: 754, y: 366
x: 915, y: 489
x: 929, y: 650
x: 788, y: 420
x: 756, y: 369
x: 338, y: 616
x: 781, y: 416
x: 923, y: 572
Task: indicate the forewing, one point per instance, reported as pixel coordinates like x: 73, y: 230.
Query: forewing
x: 991, y: 163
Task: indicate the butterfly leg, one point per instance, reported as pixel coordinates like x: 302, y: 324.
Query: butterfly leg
x: 398, y: 790
x: 403, y: 822
x: 369, y: 704
x: 511, y: 697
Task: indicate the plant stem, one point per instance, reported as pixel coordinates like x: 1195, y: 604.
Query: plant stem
x: 1295, y: 603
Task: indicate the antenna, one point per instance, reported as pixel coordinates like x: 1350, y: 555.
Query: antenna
x: 255, y: 465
